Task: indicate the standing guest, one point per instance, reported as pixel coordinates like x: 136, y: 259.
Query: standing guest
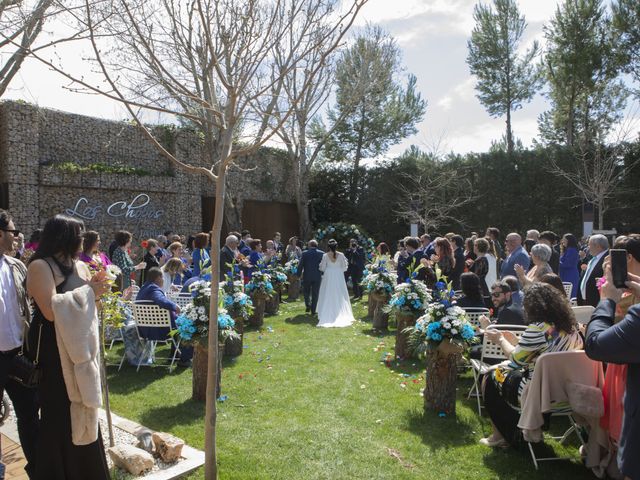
x: 176, y: 250
x: 481, y: 266
x: 244, y: 247
x: 458, y: 256
x: 540, y: 255
x: 528, y: 245
x: 549, y: 238
x: 256, y: 257
x: 122, y: 260
x: 19, y: 246
x: 469, y: 251
x: 552, y: 328
x: 569, y: 260
x: 292, y: 249
x: 617, y: 341
x: 494, y: 234
x: 588, y: 292
x: 271, y: 256
x: 175, y: 238
x: 309, y: 271
x: 277, y: 243
x: 172, y: 275
x: 383, y: 250
x: 200, y: 256
x: 151, y: 258
x: 190, y: 240
x: 533, y: 235
x: 444, y: 257
x: 356, y: 260
x: 228, y: 254
x: 162, y: 254
x: 494, y: 262
x: 91, y: 254
x: 400, y: 254
x: 64, y: 294
x: 517, y: 295
x: 34, y: 240
x: 471, y: 292
x: 517, y: 256
x: 14, y: 314
x: 410, y: 259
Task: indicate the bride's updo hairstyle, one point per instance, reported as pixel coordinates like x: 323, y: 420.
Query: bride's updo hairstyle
x: 333, y: 246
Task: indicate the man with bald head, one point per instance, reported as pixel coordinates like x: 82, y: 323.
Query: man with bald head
x: 517, y: 256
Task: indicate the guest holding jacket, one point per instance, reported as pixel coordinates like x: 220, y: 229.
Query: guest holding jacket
x: 619, y: 343
x: 569, y: 260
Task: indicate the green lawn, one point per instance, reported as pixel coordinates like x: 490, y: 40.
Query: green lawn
x: 311, y: 403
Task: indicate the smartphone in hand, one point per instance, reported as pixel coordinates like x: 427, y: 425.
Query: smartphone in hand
x: 618, y: 259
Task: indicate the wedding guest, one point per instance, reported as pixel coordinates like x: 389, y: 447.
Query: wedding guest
x: 383, y: 250
x: 569, y: 260
x: 411, y: 260
x: 162, y: 254
x: 292, y: 249
x: 444, y: 257
x: 458, y: 256
x: 175, y: 238
x: 400, y: 253
x: 540, y: 256
x: 256, y: 258
x: 172, y: 275
x: 517, y: 295
x: 150, y: 258
x: 553, y: 280
x: 494, y: 262
x: 533, y: 235
x: 122, y: 260
x: 277, y: 243
x: 34, y: 240
x: 18, y: 246
x: 588, y: 293
x: 53, y: 272
x: 517, y: 256
x: 176, y: 250
x: 14, y: 314
x: 271, y: 256
x: 190, y: 240
x: 356, y: 260
x: 469, y: 251
x: 471, y: 292
x: 481, y: 265
x: 552, y: 328
x: 528, y: 245
x: 549, y: 238
x: 91, y: 254
x: 228, y: 254
x: 244, y: 247
x: 494, y: 234
x: 200, y: 256
x: 505, y: 311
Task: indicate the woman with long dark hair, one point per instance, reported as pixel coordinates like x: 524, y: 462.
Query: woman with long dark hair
x: 471, y: 287
x: 569, y: 260
x: 334, y: 308
x: 64, y: 452
x: 444, y: 256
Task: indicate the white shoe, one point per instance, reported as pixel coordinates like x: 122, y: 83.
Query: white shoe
x: 489, y: 442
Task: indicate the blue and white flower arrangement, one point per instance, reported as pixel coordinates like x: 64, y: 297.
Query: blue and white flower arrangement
x: 237, y: 303
x: 378, y: 279
x: 343, y: 232
x: 260, y: 284
x: 291, y: 267
x: 410, y: 297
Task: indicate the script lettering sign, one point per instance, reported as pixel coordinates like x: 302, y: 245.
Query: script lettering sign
x: 137, y: 210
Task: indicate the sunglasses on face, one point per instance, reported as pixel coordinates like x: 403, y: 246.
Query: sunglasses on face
x: 497, y: 294
x: 15, y: 233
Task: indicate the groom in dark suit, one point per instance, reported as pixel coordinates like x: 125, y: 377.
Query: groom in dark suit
x: 309, y: 271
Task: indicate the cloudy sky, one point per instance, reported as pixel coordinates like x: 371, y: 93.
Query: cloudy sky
x: 432, y: 35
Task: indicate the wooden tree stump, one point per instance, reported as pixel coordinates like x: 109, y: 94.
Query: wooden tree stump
x: 440, y: 388
x: 380, y: 317
x: 233, y: 346
x: 371, y: 306
x: 199, y: 369
x: 272, y: 305
x: 403, y: 320
x: 257, y: 318
x: 294, y: 287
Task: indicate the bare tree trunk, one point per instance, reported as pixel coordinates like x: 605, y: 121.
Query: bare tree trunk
x: 302, y: 203
x: 509, y: 135
x: 600, y: 207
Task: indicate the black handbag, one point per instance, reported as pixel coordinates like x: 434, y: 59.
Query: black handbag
x: 24, y: 370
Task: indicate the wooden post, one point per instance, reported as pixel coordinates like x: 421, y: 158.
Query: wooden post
x: 257, y: 318
x: 233, y: 346
x: 294, y: 287
x: 200, y: 357
x: 440, y: 388
x: 272, y: 305
x: 404, y: 320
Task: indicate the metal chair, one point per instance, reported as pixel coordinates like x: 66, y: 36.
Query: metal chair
x: 474, y: 314
x: 568, y: 287
x: 490, y: 351
x: 583, y: 313
x: 181, y: 299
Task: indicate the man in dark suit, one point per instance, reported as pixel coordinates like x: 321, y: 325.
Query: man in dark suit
x: 309, y: 271
x: 228, y: 255
x: 505, y: 311
x: 588, y: 293
x: 152, y: 292
x: 356, y: 258
x: 620, y: 343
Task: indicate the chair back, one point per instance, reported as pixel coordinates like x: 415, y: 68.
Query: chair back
x: 583, y: 313
x: 568, y: 287
x: 181, y: 299
x: 474, y: 313
x: 135, y: 289
x: 493, y: 351
x: 148, y: 314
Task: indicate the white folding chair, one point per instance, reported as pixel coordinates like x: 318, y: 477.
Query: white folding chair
x: 149, y: 315
x: 568, y: 287
x: 181, y: 299
x: 474, y: 313
x: 583, y: 313
x: 573, y: 366
x: 490, y: 351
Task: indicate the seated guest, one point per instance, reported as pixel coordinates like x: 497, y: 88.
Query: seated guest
x: 172, y: 275
x: 256, y: 257
x: 615, y: 338
x: 200, y: 255
x: 540, y: 256
x: 505, y: 311
x: 150, y: 258
x: 152, y: 292
x: 555, y: 281
x: 516, y: 293
x: 552, y: 328
x: 91, y: 254
x: 471, y: 292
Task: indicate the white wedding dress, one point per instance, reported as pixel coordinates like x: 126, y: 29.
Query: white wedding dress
x: 334, y: 308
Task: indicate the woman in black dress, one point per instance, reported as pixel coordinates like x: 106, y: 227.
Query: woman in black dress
x: 150, y: 259
x: 55, y: 269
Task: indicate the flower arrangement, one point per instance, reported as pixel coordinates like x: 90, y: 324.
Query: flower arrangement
x: 278, y: 276
x: 342, y: 231
x: 411, y: 296
x: 443, y: 321
x: 260, y: 283
x: 235, y: 301
x: 291, y: 267
x: 378, y: 279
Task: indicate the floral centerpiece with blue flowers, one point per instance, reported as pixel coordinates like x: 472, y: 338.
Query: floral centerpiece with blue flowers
x: 235, y: 301
x: 260, y: 284
x: 291, y: 267
x: 278, y: 276
x: 342, y: 232
x: 410, y: 297
x: 378, y: 280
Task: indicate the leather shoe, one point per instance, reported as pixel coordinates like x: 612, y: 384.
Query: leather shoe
x: 489, y: 442
x: 307, y: 309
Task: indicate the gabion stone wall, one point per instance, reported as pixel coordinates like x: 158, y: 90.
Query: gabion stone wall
x: 35, y: 142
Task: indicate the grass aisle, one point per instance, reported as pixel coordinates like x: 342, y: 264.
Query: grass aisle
x: 311, y: 403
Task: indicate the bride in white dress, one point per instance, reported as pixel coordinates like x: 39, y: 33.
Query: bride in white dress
x: 334, y: 307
